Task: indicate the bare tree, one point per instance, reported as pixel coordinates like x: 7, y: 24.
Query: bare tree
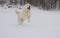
x: 11, y: 1
x: 15, y: 2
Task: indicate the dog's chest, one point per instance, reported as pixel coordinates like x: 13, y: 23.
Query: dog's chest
x: 26, y: 12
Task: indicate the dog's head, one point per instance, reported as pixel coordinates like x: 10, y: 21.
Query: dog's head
x: 27, y: 6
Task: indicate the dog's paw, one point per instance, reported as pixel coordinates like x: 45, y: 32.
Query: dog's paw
x: 28, y: 20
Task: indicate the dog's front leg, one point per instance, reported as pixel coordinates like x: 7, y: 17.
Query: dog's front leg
x: 20, y: 21
x: 28, y: 18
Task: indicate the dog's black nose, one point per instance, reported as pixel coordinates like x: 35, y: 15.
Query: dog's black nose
x: 29, y: 7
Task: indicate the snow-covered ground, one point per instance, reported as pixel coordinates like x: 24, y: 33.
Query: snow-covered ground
x: 43, y: 24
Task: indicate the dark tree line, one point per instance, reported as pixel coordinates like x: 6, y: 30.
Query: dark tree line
x: 45, y: 4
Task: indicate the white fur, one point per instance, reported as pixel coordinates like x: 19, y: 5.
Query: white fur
x: 23, y: 14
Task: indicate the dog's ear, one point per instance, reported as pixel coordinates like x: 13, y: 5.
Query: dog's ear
x: 27, y: 4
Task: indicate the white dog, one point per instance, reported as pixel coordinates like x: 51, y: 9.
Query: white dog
x: 23, y: 14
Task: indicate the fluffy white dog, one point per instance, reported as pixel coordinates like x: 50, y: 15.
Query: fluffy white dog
x: 23, y: 14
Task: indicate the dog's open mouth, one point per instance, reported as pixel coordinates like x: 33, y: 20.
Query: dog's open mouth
x: 29, y: 7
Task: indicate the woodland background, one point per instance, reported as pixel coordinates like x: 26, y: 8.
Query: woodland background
x: 45, y: 4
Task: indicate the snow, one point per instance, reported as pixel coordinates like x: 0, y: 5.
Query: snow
x: 43, y: 24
